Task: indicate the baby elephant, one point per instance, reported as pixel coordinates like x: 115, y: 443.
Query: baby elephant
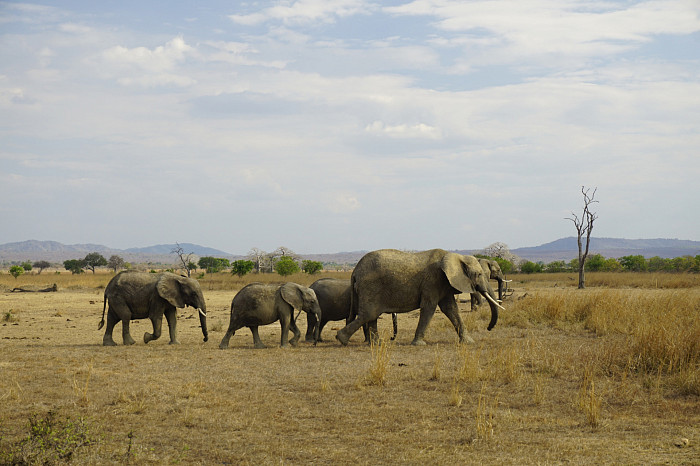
x: 262, y: 304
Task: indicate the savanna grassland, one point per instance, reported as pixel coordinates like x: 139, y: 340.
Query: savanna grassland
x: 609, y: 374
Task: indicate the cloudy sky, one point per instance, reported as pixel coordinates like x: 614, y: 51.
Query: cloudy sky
x: 339, y: 125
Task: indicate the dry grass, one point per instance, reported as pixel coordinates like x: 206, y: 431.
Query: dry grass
x: 609, y: 374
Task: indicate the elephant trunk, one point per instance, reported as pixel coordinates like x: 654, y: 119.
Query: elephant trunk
x: 493, y: 304
x: 203, y: 321
x: 317, y: 327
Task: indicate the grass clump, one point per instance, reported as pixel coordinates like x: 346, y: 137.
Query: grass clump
x: 49, y: 441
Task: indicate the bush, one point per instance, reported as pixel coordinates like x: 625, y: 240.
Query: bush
x: 286, y: 266
x: 16, y: 271
x: 242, y: 267
x: 311, y: 267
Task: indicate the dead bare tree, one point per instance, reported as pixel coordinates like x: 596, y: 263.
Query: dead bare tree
x: 584, y: 226
x: 185, y: 258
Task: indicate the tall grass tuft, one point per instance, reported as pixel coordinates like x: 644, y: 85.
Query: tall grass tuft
x: 381, y: 352
x: 484, y: 415
x: 468, y: 366
x: 589, y: 401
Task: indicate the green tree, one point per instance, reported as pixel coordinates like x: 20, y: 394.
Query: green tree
x: 27, y: 266
x: 634, y: 263
x: 286, y: 266
x: 555, y: 267
x: 657, y: 264
x: 311, y: 267
x: 505, y: 265
x: 595, y: 263
x: 94, y: 260
x: 530, y: 267
x: 75, y: 266
x: 41, y: 265
x: 242, y: 267
x: 115, y: 262
x: 611, y: 265
x: 213, y: 264
x: 16, y: 271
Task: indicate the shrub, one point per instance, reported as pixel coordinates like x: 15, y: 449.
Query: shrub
x: 286, y: 266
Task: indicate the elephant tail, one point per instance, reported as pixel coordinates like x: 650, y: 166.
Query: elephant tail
x: 104, y: 307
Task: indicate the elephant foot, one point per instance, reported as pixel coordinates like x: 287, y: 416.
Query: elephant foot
x: 260, y: 346
x: 311, y: 339
x: 294, y: 341
x: 129, y: 341
x: 109, y: 342
x: 418, y: 342
x: 467, y: 340
x: 174, y: 342
x: 342, y: 338
x: 148, y: 337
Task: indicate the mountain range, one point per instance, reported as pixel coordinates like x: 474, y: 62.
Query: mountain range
x: 561, y: 249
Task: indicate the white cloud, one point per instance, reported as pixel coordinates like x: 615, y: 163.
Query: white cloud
x: 344, y: 203
x: 305, y: 11
x: 419, y: 130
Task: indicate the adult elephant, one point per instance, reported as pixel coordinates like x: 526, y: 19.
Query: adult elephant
x: 493, y: 272
x: 395, y: 281
x: 262, y: 304
x: 140, y: 295
x: 333, y: 296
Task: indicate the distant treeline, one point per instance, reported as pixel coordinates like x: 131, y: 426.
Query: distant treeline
x: 599, y: 263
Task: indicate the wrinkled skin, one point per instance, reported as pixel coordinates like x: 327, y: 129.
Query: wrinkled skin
x: 493, y: 272
x: 333, y: 296
x: 262, y: 304
x: 395, y: 281
x: 140, y: 295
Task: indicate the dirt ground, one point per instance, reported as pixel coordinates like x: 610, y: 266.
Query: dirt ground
x: 519, y: 402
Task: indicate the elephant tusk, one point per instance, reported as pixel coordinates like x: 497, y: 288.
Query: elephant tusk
x: 507, y: 281
x: 202, y: 312
x: 493, y: 301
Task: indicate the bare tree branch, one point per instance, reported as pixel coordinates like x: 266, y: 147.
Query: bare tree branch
x: 584, y: 227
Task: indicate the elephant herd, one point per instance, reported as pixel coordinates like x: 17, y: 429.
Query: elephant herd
x: 383, y: 281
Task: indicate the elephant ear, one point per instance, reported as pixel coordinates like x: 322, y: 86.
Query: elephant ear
x: 292, y: 295
x: 455, y: 269
x: 169, y: 288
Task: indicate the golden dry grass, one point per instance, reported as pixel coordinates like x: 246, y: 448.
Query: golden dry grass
x: 609, y: 374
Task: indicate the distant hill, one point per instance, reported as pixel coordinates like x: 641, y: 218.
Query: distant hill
x: 567, y: 248
x: 53, y: 251
x: 561, y: 249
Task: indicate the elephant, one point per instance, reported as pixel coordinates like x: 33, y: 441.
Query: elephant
x: 334, y: 298
x: 389, y: 280
x: 262, y: 304
x: 493, y: 272
x: 140, y: 295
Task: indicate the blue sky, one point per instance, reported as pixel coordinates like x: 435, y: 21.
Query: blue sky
x: 337, y: 125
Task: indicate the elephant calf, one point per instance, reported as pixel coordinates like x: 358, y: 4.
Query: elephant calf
x: 262, y: 304
x: 334, y: 298
x: 140, y: 295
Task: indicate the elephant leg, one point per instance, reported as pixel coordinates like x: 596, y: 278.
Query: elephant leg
x: 171, y: 317
x: 448, y: 306
x: 320, y: 329
x: 427, y: 310
x: 256, y: 337
x: 395, y: 325
x: 232, y: 327
x: 285, y: 320
x: 476, y: 301
x: 297, y: 334
x: 112, y: 320
x: 371, y: 332
x: 157, y: 322
x: 126, y: 335
x: 310, y: 325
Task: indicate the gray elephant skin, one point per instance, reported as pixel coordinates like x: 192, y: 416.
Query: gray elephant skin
x: 262, y: 304
x: 396, y: 281
x: 333, y: 296
x: 140, y: 295
x: 493, y: 272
